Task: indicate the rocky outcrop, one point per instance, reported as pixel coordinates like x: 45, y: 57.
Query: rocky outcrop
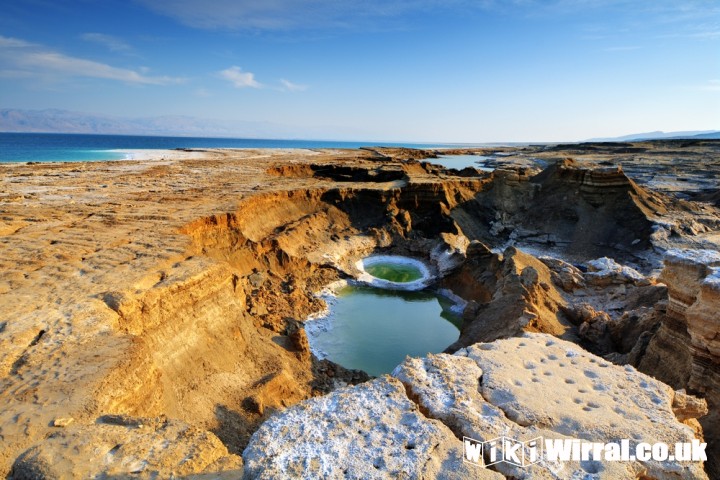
x: 508, y: 294
x: 121, y: 447
x: 570, y: 208
x: 525, y: 387
x: 685, y: 350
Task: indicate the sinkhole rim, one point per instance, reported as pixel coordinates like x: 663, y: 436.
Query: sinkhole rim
x: 366, y: 278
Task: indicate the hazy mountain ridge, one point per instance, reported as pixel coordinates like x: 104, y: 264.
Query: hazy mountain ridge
x: 659, y: 135
x: 64, y: 121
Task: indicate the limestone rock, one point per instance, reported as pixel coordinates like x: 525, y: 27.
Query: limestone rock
x: 513, y: 293
x: 371, y: 430
x: 606, y: 271
x: 449, y: 254
x: 119, y: 446
x: 594, y: 326
x: 566, y: 276
x: 571, y: 206
x: 688, y: 406
x: 527, y: 387
x: 62, y: 421
x: 538, y: 385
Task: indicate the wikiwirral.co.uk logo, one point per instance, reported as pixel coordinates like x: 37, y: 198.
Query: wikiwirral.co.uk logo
x: 503, y: 449
x: 523, y: 454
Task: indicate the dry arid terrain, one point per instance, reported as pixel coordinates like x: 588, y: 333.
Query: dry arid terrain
x: 151, y: 311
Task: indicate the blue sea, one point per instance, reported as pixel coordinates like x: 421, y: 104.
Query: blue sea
x: 52, y: 147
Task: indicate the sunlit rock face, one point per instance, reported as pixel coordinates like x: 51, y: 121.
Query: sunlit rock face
x: 685, y: 351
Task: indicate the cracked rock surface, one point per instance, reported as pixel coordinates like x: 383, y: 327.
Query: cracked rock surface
x: 369, y: 431
x: 524, y: 387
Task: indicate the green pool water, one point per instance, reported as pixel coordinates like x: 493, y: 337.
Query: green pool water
x: 373, y: 329
x: 394, y: 272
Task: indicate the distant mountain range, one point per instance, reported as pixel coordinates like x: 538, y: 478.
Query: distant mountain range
x: 698, y: 134
x: 64, y: 121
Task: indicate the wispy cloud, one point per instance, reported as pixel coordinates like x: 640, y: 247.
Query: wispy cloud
x: 278, y: 15
x: 20, y: 56
x: 240, y: 79
x: 292, y: 87
x: 699, y: 33
x: 8, y: 42
x: 111, y: 42
x: 627, y: 48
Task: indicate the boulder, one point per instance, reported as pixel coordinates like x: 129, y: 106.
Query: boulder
x: 371, y: 430
x: 539, y: 386
x: 564, y: 275
x: 606, y: 271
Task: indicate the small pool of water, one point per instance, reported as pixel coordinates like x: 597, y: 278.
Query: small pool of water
x: 373, y: 329
x: 394, y: 272
x: 459, y: 162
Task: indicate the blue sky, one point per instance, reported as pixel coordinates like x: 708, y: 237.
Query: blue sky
x: 390, y: 70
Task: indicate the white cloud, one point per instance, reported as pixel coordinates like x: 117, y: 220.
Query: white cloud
x: 240, y: 79
x: 21, y: 56
x: 292, y: 87
x: 87, y: 68
x: 110, y: 42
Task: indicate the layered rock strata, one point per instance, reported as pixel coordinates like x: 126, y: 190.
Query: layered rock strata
x: 685, y: 350
x: 576, y: 211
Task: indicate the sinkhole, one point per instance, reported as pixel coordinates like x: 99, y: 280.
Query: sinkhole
x: 393, y: 272
x: 388, y: 314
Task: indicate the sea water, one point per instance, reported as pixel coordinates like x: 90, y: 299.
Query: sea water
x: 51, y: 147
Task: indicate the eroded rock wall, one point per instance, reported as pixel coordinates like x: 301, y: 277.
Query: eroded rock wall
x: 587, y: 213
x: 509, y: 294
x: 685, y: 351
